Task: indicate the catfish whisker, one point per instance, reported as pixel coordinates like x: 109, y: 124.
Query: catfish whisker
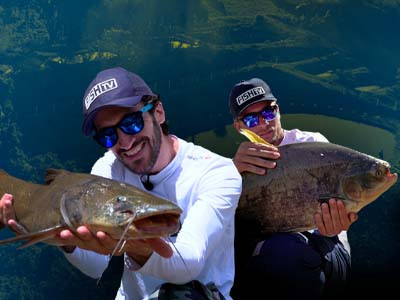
x: 122, y: 246
x: 123, y: 235
x: 117, y: 246
x: 180, y: 255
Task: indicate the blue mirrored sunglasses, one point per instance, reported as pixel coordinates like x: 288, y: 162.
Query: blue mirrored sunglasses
x: 129, y: 124
x: 268, y: 113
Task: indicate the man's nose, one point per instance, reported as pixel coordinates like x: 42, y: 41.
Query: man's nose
x: 260, y: 116
x: 125, y: 141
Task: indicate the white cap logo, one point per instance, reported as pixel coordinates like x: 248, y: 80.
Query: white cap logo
x: 99, y: 89
x: 247, y: 95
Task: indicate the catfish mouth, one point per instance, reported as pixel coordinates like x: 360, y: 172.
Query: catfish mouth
x: 161, y: 224
x: 166, y: 222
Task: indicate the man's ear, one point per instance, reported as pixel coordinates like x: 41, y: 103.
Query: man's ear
x: 159, y: 113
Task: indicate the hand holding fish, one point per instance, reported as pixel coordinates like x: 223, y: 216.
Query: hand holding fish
x: 334, y: 218
x: 255, y: 157
x: 4, y: 203
x: 7, y: 214
x: 139, y: 249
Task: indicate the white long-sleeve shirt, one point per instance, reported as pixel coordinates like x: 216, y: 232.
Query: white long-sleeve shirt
x: 207, y: 188
x: 297, y: 136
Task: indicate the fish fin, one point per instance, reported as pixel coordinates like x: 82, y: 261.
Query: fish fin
x: 52, y: 174
x: 37, y: 239
x: 253, y: 137
x: 34, y: 237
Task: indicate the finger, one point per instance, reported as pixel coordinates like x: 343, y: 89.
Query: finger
x: 244, y: 167
x: 334, y: 216
x: 245, y: 146
x: 105, y: 240
x: 254, y: 165
x: 108, y: 243
x: 66, y: 234
x: 326, y: 217
x: 67, y: 237
x: 8, y: 212
x: 16, y: 227
x: 6, y: 206
x: 260, y: 162
x: 5, y: 197
x: 343, y: 215
x: 264, y: 153
x: 261, y: 152
x: 84, y: 233
x: 161, y: 247
x: 320, y: 224
x: 70, y: 238
x: 102, y: 236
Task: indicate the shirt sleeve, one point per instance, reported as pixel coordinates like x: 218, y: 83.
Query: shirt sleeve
x: 88, y: 262
x: 343, y: 239
x: 218, y: 193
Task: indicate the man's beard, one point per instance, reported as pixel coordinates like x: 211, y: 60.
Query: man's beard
x: 154, y: 144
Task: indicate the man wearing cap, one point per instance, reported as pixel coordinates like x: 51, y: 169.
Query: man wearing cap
x: 128, y: 119
x: 313, y: 262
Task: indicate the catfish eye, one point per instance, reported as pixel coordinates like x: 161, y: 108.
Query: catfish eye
x: 378, y: 173
x: 121, y: 199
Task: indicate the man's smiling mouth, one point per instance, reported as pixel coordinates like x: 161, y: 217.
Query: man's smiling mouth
x: 133, y: 151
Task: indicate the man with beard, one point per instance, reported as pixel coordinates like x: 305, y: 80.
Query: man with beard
x: 308, y: 264
x: 129, y: 120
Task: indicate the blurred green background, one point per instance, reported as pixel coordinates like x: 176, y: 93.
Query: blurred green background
x: 333, y: 65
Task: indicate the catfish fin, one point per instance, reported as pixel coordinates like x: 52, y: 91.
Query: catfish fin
x: 39, y: 238
x: 253, y: 137
x: 52, y: 174
x: 34, y: 237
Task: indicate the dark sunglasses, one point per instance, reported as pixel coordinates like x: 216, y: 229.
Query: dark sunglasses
x: 268, y: 113
x: 129, y: 124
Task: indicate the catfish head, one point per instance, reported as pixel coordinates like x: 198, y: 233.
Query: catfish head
x: 366, y: 179
x: 105, y: 205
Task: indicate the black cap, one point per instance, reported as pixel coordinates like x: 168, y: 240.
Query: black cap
x: 112, y: 87
x: 248, y: 92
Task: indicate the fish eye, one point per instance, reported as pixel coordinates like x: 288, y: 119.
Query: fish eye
x: 121, y: 199
x: 378, y: 173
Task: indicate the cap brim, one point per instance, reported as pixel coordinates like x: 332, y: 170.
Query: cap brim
x: 259, y: 100
x: 87, y: 125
